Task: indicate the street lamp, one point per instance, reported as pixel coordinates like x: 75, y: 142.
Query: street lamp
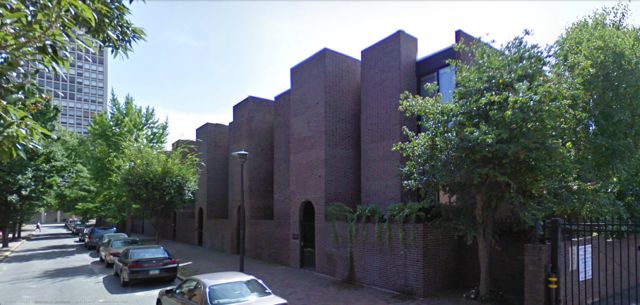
x: 242, y: 156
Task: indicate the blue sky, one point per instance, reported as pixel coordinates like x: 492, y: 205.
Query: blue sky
x: 203, y: 57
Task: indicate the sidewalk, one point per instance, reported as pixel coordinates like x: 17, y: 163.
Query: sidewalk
x: 298, y: 286
x: 27, y: 230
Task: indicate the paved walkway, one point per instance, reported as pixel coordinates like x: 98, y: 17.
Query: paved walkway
x: 27, y: 230
x: 299, y: 286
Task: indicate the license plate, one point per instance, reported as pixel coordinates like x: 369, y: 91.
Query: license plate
x: 154, y: 271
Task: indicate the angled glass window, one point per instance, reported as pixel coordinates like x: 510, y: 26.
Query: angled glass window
x: 447, y: 82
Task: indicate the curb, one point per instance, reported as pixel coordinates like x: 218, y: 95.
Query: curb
x: 11, y: 250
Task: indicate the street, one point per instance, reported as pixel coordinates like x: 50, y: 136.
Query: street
x: 53, y: 268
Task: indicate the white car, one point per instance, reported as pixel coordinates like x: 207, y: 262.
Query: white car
x: 220, y: 288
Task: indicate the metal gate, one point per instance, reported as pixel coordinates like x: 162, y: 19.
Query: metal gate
x: 594, y: 263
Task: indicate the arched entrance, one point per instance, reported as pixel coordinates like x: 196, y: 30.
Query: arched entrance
x: 307, y: 236
x: 174, y: 224
x: 200, y: 225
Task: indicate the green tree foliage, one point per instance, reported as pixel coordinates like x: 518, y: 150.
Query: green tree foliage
x: 26, y: 183
x: 532, y: 133
x: 499, y: 147
x: 74, y: 191
x: 599, y: 56
x: 36, y: 35
x: 111, y: 134
x: 159, y: 182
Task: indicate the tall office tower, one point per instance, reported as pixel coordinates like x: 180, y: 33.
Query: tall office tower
x: 82, y: 92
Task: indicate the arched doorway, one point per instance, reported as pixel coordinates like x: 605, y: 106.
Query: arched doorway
x: 307, y: 235
x: 200, y: 225
x: 174, y: 224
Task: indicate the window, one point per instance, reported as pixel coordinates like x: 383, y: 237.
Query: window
x: 237, y: 292
x: 447, y: 82
x: 445, y: 77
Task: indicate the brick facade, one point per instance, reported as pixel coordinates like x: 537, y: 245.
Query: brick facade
x: 388, y: 69
x: 328, y: 139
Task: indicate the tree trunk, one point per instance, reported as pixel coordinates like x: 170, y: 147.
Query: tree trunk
x: 154, y: 224
x: 20, y: 230
x: 129, y: 222
x: 15, y: 231
x: 5, y: 235
x: 484, y: 227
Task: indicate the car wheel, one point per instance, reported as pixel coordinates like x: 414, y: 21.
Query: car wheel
x: 123, y: 283
x: 158, y: 302
x: 107, y: 265
x: 100, y: 257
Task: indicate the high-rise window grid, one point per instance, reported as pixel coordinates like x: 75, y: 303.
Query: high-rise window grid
x: 82, y: 92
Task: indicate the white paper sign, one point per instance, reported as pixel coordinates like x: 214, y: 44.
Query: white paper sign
x: 584, y: 262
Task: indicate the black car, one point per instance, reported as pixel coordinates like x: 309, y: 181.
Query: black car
x: 145, y: 262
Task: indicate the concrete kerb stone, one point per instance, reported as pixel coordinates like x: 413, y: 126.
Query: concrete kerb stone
x: 4, y: 253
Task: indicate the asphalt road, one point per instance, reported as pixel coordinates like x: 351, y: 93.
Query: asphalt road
x: 53, y: 268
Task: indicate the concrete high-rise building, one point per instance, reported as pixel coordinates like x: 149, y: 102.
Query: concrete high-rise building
x: 81, y: 92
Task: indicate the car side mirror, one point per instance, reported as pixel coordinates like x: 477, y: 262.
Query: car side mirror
x: 170, y: 291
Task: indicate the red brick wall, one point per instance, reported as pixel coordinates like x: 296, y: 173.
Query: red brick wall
x: 213, y: 147
x: 428, y: 262
x: 536, y: 258
x: 252, y: 131
x: 323, y: 144
x: 388, y: 69
x: 281, y: 196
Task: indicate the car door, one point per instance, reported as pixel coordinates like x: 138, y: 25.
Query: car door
x: 190, y: 292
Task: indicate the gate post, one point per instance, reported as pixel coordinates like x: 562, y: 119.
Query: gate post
x: 554, y: 276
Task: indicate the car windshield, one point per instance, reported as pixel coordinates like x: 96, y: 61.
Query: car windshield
x: 121, y: 243
x: 114, y: 236
x: 237, y: 292
x: 148, y: 253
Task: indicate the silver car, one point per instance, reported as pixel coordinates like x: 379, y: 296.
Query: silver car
x: 106, y: 238
x: 220, y: 288
x: 110, y: 251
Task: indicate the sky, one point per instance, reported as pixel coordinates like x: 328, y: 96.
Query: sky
x: 202, y: 57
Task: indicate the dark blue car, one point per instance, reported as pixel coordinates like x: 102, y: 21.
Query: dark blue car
x: 95, y: 234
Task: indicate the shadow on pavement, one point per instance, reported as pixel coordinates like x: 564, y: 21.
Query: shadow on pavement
x: 37, y: 237
x: 67, y: 272
x: 112, y: 284
x: 52, y: 247
x: 23, y: 257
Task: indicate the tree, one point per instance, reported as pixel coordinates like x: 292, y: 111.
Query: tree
x: 599, y: 56
x: 110, y: 135
x: 157, y: 183
x: 74, y: 190
x: 26, y: 183
x: 501, y: 146
x: 38, y: 34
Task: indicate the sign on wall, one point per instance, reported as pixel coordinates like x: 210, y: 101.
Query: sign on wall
x: 583, y: 261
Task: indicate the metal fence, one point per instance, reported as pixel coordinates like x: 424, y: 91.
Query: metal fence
x: 593, y: 262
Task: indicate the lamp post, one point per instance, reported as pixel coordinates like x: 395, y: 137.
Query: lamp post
x: 242, y: 156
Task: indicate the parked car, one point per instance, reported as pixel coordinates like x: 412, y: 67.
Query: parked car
x: 77, y: 228
x: 107, y: 237
x: 83, y: 234
x: 145, y: 262
x: 220, y: 288
x: 95, y: 234
x: 110, y: 251
x: 70, y: 222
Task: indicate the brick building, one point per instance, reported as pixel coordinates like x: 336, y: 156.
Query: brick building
x: 328, y: 139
